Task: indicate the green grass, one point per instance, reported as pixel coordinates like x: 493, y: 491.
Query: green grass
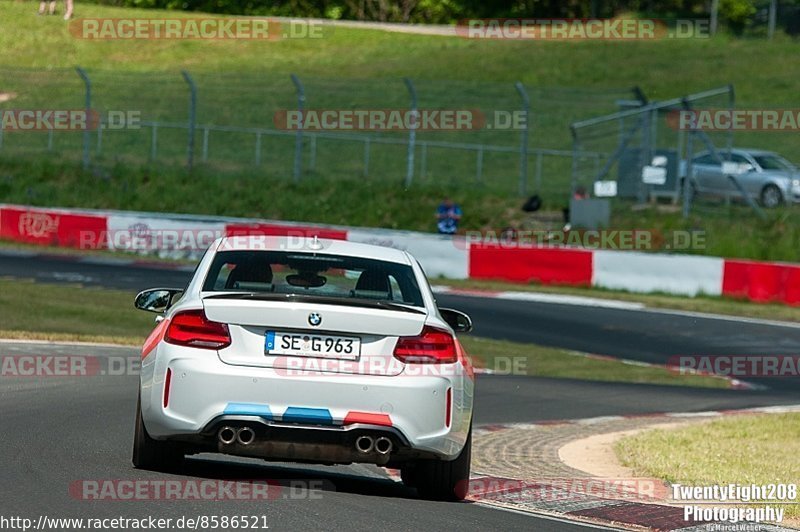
x: 243, y: 83
x: 74, y: 313
x: 71, y: 313
x: 743, y: 450
x: 709, y: 304
x: 530, y: 359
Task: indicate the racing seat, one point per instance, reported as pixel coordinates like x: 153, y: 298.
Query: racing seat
x: 251, y: 275
x: 372, y: 284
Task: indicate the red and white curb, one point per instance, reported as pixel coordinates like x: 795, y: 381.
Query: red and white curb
x: 600, y: 512
x: 734, y: 384
x: 781, y: 409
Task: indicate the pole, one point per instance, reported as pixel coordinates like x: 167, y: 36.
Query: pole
x: 523, y: 144
x: 88, y: 106
x: 192, y: 118
x: 298, y: 139
x: 412, y: 132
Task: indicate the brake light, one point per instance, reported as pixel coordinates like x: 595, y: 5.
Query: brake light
x: 192, y: 329
x: 432, y: 346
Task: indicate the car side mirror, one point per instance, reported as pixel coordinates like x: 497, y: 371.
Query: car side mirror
x: 156, y: 299
x: 459, y: 321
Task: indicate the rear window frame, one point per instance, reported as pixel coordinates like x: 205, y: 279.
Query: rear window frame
x: 403, y: 274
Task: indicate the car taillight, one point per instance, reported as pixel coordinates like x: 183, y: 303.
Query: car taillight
x: 432, y: 346
x: 192, y: 329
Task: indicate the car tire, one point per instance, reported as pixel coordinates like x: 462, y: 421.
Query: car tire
x: 408, y: 474
x: 152, y: 454
x: 771, y: 197
x: 443, y: 480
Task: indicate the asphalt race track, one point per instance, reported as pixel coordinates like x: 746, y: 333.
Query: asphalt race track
x: 67, y: 429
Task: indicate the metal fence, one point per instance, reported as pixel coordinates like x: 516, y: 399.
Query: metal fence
x: 226, y: 123
x: 636, y: 138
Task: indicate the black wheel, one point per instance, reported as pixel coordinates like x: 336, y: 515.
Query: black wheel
x: 441, y: 480
x: 771, y: 196
x: 408, y: 474
x: 153, y: 454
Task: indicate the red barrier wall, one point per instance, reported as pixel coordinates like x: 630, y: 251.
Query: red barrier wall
x: 762, y: 281
x: 49, y: 227
x: 544, y: 265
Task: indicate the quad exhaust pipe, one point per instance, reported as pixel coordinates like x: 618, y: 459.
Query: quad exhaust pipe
x: 227, y: 435
x: 246, y: 437
x: 365, y: 444
x: 230, y: 435
x: 383, y: 445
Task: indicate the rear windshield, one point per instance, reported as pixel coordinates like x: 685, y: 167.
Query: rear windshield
x: 313, y: 274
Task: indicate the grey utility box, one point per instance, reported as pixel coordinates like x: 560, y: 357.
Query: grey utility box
x: 589, y: 213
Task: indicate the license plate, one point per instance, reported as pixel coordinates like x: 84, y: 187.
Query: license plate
x: 312, y: 345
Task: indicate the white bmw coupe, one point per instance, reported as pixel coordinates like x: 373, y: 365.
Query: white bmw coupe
x: 308, y: 350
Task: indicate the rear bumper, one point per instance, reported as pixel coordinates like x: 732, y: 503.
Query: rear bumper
x: 204, y: 392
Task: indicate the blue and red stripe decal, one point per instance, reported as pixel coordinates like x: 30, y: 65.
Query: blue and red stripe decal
x: 305, y: 415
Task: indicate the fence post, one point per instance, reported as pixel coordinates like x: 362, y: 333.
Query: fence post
x: 645, y: 156
x: 773, y: 13
x: 366, y: 157
x: 88, y: 105
x: 539, y: 172
x: 576, y: 150
x: 192, y: 117
x: 731, y: 105
x: 154, y: 142
x: 258, y: 149
x: 298, y: 139
x: 687, y: 179
x: 412, y: 132
x: 523, y: 145
x: 423, y: 162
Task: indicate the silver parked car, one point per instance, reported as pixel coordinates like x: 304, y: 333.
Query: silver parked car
x: 766, y: 176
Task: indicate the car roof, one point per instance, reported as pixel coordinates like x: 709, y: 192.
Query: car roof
x: 311, y: 245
